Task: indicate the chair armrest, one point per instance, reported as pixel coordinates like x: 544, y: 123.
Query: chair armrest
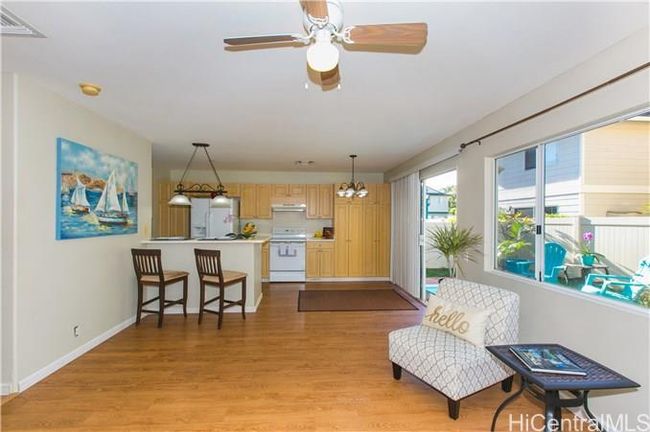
x: 629, y: 290
x: 591, y: 277
x: 555, y: 272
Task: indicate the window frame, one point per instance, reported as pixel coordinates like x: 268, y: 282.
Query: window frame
x: 490, y: 217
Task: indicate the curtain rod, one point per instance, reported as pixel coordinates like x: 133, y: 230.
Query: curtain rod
x: 557, y: 105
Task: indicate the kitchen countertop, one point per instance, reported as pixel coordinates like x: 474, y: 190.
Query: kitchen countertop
x: 314, y: 239
x: 257, y: 239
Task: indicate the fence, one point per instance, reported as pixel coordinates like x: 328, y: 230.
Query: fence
x: 624, y: 241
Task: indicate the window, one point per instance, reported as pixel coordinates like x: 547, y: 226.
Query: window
x: 530, y: 159
x: 593, y: 234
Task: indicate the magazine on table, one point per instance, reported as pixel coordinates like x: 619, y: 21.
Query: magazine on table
x: 546, y: 360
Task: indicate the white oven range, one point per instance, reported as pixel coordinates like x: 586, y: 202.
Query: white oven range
x: 287, y: 255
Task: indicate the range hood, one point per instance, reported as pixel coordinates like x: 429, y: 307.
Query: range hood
x: 288, y: 207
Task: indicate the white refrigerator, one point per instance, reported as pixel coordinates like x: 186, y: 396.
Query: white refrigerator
x: 213, y: 222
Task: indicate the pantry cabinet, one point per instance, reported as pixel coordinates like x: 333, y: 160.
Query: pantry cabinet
x: 362, y: 232
x: 348, y: 220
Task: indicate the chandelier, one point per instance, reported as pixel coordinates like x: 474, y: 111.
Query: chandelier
x: 352, y: 189
x: 218, y: 195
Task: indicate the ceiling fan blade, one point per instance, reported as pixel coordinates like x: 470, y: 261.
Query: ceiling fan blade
x: 315, y: 8
x: 251, y: 40
x: 405, y: 35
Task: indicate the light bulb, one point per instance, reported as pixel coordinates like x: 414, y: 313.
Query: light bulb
x: 322, y: 56
x: 349, y: 193
x: 362, y: 192
x: 341, y: 192
x: 220, y: 201
x: 180, y: 200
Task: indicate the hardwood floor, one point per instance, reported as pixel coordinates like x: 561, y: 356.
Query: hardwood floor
x: 280, y: 370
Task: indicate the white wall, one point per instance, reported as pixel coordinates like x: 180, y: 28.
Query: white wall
x: 60, y: 284
x: 616, y: 336
x: 7, y: 323
x: 303, y: 175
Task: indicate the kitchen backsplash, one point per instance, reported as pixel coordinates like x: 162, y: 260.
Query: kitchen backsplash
x: 289, y: 220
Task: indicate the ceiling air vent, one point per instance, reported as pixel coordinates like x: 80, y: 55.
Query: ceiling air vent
x: 14, y: 26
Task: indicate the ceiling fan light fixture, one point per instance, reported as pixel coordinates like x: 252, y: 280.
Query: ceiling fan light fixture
x: 341, y: 191
x: 322, y: 56
x: 362, y: 192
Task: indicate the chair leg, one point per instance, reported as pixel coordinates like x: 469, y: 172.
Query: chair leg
x: 161, y: 305
x: 201, y: 301
x: 454, y: 408
x: 222, y: 291
x: 140, y: 300
x: 506, y: 384
x: 243, y: 298
x: 397, y: 371
x: 185, y: 297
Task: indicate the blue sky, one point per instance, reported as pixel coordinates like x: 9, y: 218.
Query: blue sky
x: 80, y: 158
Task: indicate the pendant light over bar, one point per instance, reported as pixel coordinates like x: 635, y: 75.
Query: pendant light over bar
x: 352, y: 189
x: 218, y: 195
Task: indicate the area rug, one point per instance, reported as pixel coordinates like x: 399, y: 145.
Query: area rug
x: 352, y: 300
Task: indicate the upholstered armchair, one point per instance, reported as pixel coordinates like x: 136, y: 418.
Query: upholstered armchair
x: 452, y: 366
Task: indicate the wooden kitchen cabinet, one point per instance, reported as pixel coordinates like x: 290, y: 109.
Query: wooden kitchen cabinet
x: 362, y: 233
x: 232, y: 189
x: 171, y: 220
x: 288, y: 193
x: 326, y: 201
x: 312, y: 200
x: 280, y: 190
x: 263, y: 192
x: 348, y: 220
x: 320, y: 259
x: 320, y: 201
x: 266, y: 257
x: 248, y: 202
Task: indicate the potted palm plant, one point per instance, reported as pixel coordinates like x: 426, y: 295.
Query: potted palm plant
x: 455, y: 244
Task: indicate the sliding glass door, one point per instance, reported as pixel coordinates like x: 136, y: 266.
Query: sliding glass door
x: 438, y: 212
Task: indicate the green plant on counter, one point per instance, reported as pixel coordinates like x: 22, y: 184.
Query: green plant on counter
x: 455, y: 244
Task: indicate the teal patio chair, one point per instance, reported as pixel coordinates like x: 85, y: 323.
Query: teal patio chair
x: 554, y: 255
x: 618, y: 286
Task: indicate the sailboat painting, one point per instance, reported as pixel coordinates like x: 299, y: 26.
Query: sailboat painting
x: 96, y: 193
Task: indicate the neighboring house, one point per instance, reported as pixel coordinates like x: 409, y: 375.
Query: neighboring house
x: 603, y: 172
x: 437, y: 204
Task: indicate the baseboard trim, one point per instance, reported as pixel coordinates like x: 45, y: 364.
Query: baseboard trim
x: 350, y: 279
x: 57, y: 364
x: 5, y: 389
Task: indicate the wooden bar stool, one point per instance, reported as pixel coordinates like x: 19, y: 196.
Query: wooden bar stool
x: 208, y: 265
x: 149, y: 272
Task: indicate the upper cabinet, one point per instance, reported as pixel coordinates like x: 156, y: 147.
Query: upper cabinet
x: 288, y: 193
x: 248, y: 202
x: 263, y: 192
x: 232, y: 189
x: 320, y: 201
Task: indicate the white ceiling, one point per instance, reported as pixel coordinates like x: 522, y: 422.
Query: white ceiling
x: 167, y: 76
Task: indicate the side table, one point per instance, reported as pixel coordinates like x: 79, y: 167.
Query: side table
x: 546, y: 387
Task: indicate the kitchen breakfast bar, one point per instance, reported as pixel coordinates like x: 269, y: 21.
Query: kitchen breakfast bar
x: 238, y: 255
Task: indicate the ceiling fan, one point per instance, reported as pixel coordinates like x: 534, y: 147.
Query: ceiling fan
x: 323, y: 23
